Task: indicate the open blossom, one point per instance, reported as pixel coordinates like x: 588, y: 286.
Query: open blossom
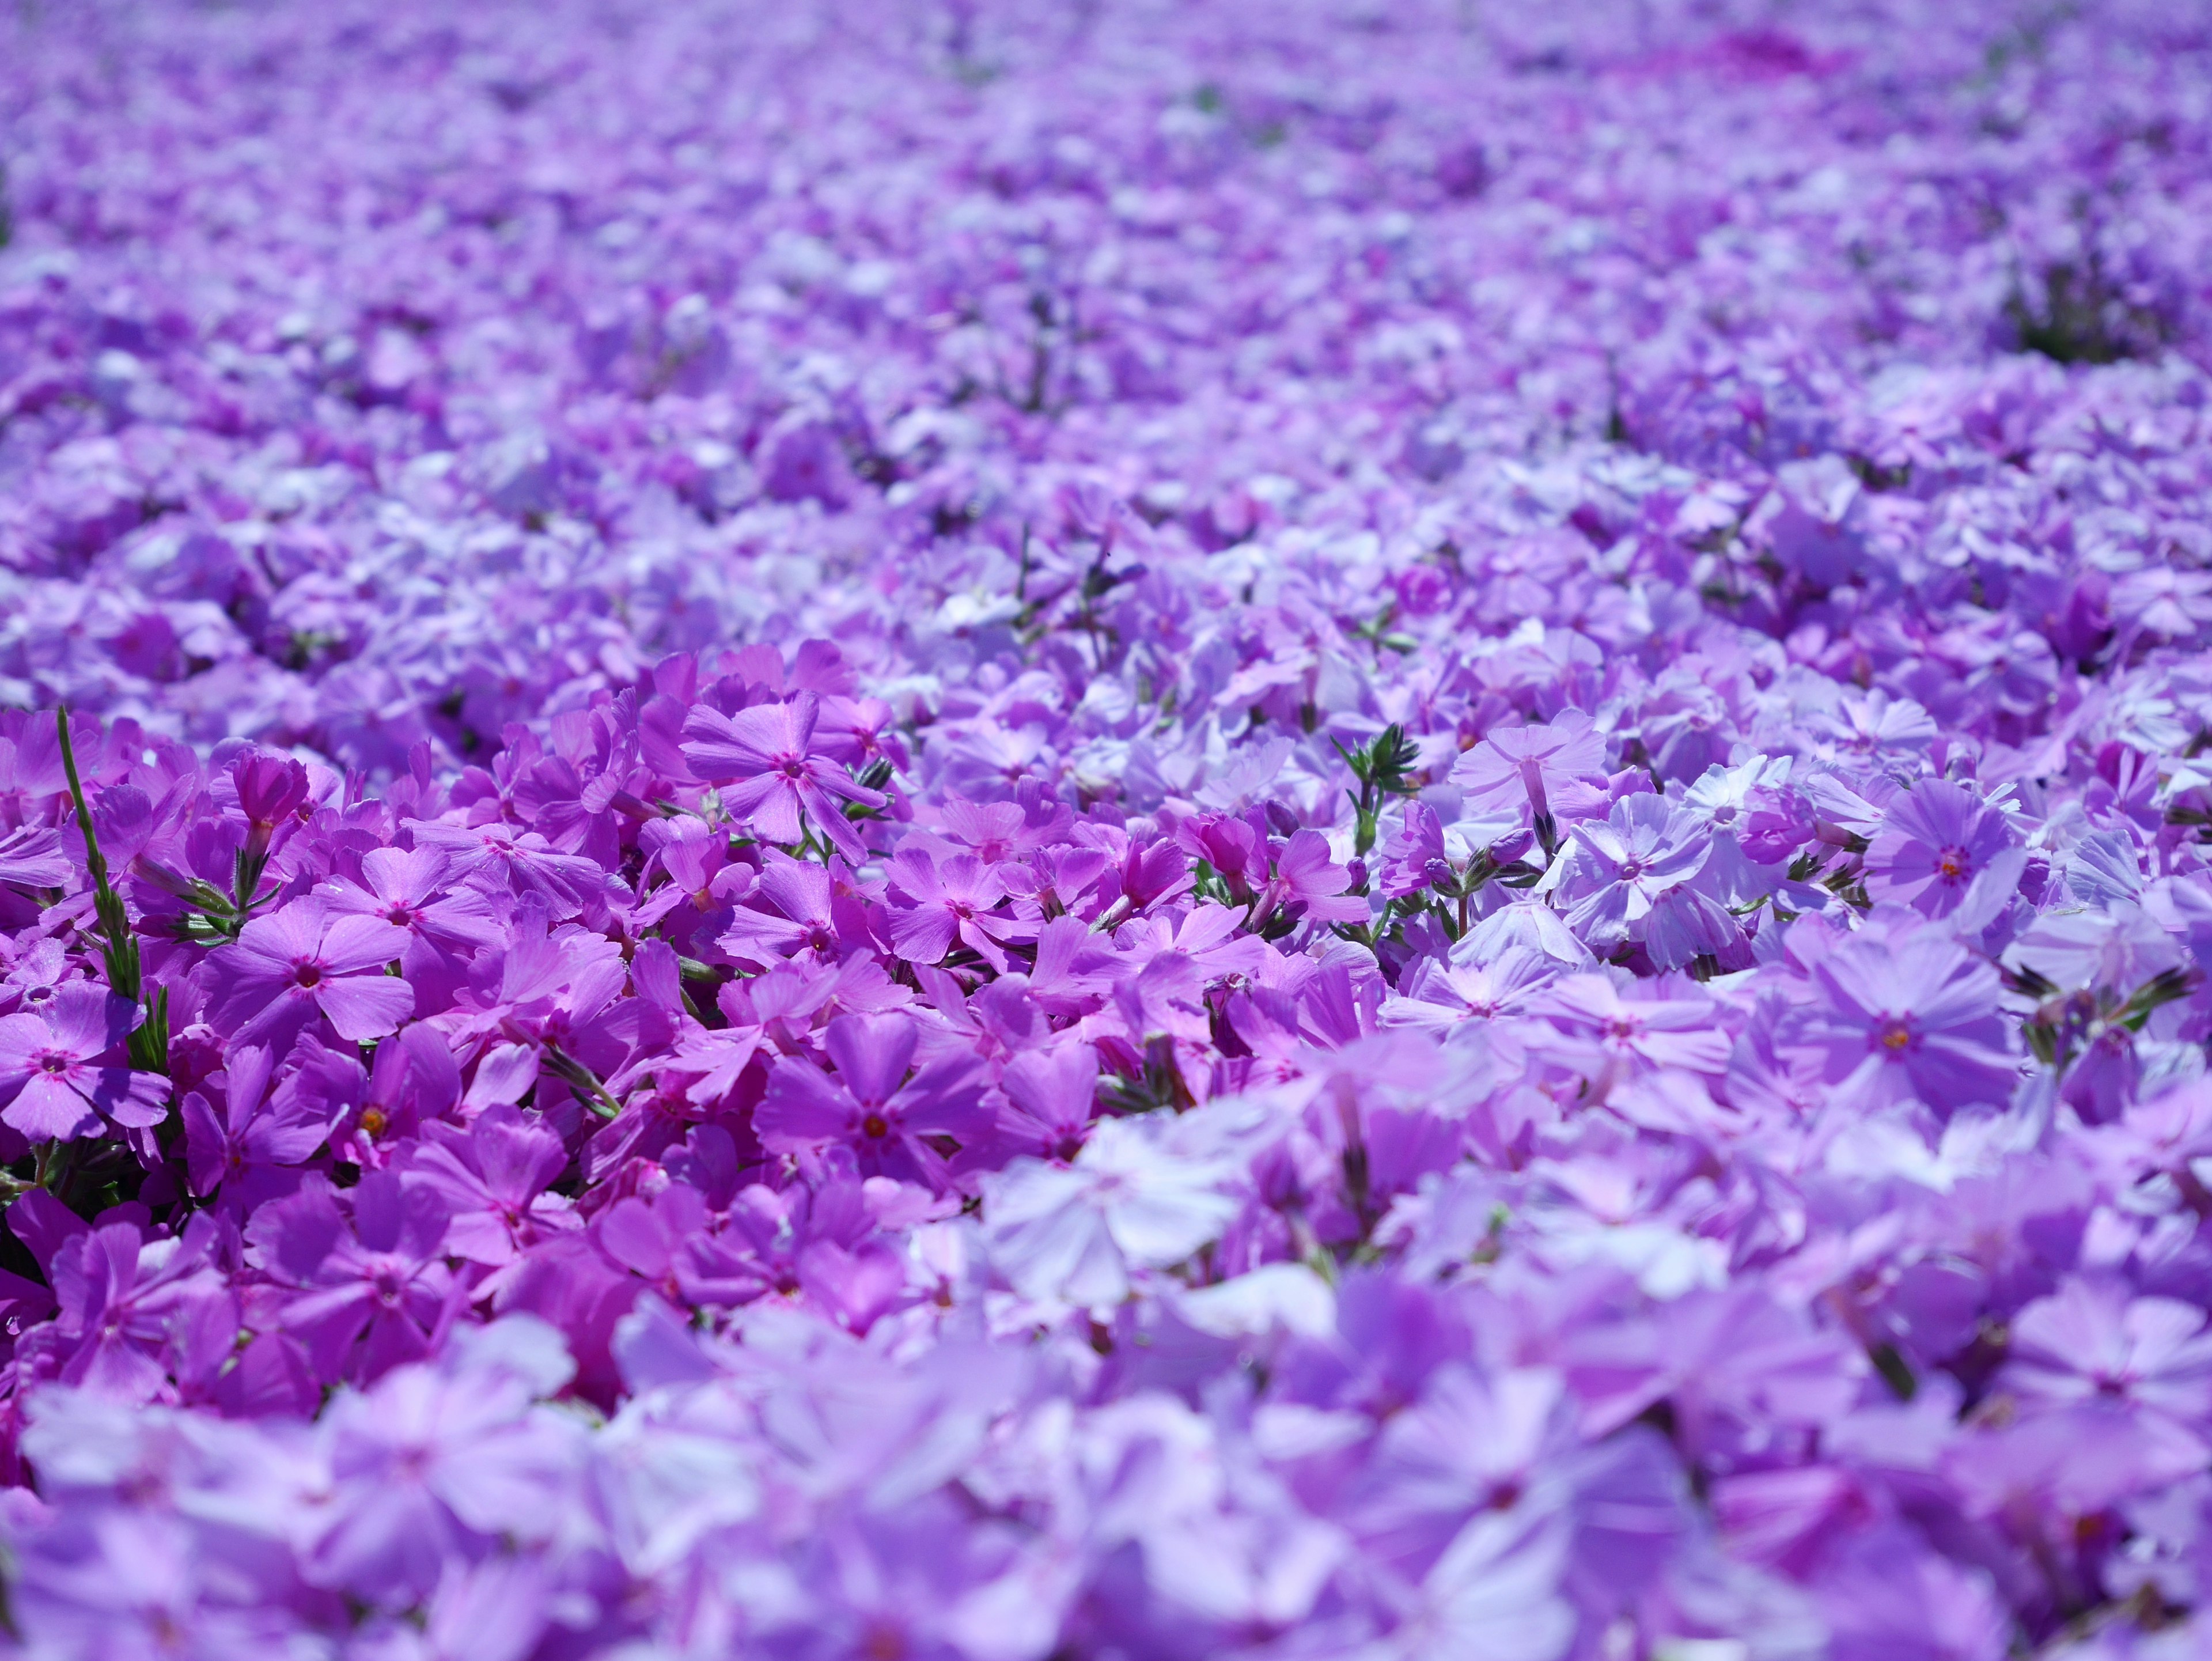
x: 1934, y: 841
x: 1912, y: 1015
x: 1052, y: 1099
x: 253, y: 1147
x: 2091, y: 1342
x: 773, y: 771
x: 935, y: 902
x: 410, y: 890
x: 304, y: 959
x: 870, y: 1105
x: 62, y: 1069
x: 1626, y: 877
x: 370, y: 1280
x: 1128, y: 1202
x: 1308, y: 885
x: 792, y: 910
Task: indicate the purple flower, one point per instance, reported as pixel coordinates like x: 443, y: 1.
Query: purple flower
x: 432, y: 1465
x: 365, y: 1283
x: 870, y: 1105
x: 776, y: 772
x: 1308, y: 885
x: 1494, y: 1595
x: 2091, y: 1342
x: 1910, y: 1015
x: 494, y: 1176
x: 1004, y: 1163
x: 810, y: 919
x: 1052, y: 1097
x: 934, y: 904
x: 134, y: 1313
x: 1633, y: 863
x: 1549, y: 768
x: 1934, y: 841
x: 62, y: 1069
x: 1075, y: 1232
x: 30, y: 857
x: 272, y: 790
x: 1441, y: 996
x: 302, y: 960
x: 253, y: 1150
x: 409, y: 891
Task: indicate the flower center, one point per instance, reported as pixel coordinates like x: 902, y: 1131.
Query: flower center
x: 1896, y: 1037
x: 1953, y: 863
x: 793, y: 767
x: 875, y: 1127
x: 307, y: 974
x: 55, y: 1060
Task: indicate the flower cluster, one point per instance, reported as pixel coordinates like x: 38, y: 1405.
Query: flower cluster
x: 986, y: 831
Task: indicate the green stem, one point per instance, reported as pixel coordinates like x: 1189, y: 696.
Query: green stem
x: 585, y: 1082
x: 122, y: 947
x: 149, y: 1040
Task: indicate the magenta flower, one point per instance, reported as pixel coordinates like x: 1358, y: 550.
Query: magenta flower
x: 132, y: 1309
x: 1308, y: 887
x: 493, y: 1177
x: 773, y: 771
x: 62, y: 1069
x: 303, y: 960
x: 410, y: 890
x: 810, y: 919
x: 934, y: 903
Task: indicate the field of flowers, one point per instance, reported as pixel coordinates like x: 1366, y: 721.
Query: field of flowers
x: 1106, y: 830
